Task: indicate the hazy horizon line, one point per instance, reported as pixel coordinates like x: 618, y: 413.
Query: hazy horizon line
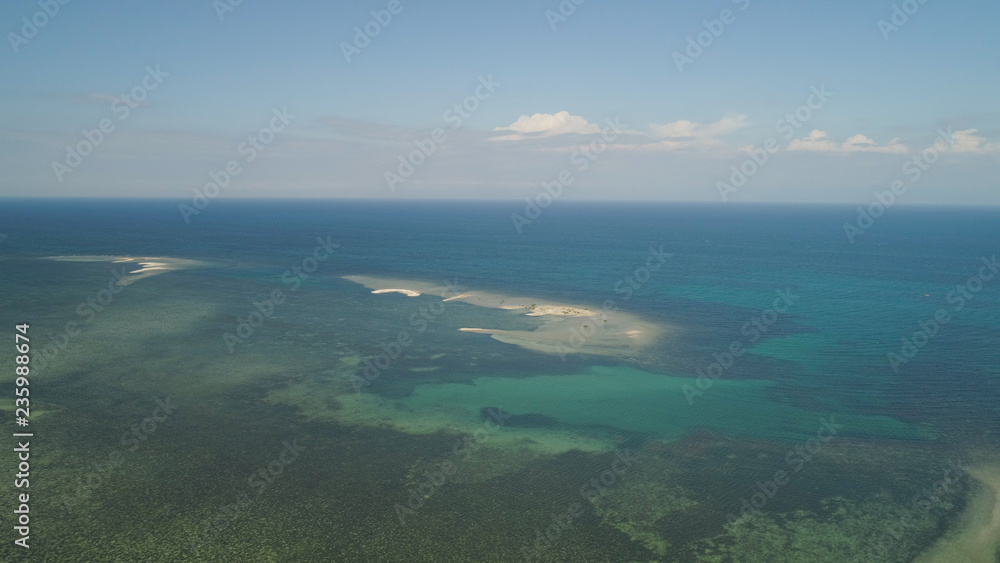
x: 494, y: 200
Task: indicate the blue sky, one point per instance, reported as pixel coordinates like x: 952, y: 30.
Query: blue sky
x: 556, y: 82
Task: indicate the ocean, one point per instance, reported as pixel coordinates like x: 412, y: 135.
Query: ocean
x: 641, y: 382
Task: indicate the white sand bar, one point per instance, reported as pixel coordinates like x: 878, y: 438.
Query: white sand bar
x: 407, y: 292
x: 566, y: 328
x: 148, y: 266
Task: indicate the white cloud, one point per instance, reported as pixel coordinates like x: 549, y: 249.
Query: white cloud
x: 968, y: 142
x: 543, y: 125
x: 677, y: 135
x: 689, y: 130
x: 819, y: 141
x: 689, y: 135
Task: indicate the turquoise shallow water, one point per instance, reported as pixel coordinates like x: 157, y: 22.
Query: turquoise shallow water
x: 651, y: 405
x: 825, y: 356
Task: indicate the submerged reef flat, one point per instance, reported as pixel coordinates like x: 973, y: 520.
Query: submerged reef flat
x: 842, y: 530
x: 367, y: 409
x: 565, y: 328
x: 843, y: 506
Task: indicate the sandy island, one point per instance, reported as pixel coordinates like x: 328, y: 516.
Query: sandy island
x: 978, y: 535
x: 148, y: 266
x: 566, y: 329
